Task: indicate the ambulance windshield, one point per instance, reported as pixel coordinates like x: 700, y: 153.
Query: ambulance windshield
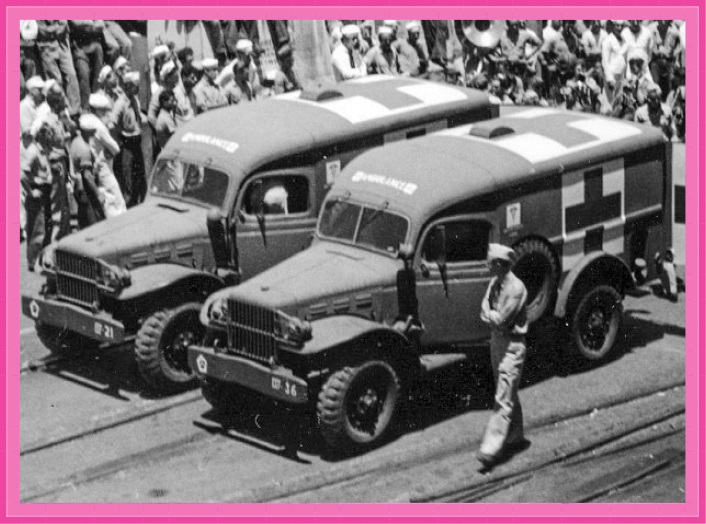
x: 189, y: 182
x: 361, y: 225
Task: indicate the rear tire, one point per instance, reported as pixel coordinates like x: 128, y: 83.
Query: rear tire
x: 596, y: 322
x: 62, y: 342
x: 538, y: 269
x: 161, y: 344
x: 358, y: 405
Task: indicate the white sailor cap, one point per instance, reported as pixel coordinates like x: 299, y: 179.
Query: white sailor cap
x: 413, y: 26
x: 35, y: 82
x: 104, y: 73
x: 244, y: 46
x: 160, y: 50
x: 384, y: 30
x: 167, y: 70
x: 88, y: 122
x: 37, y: 125
x: 654, y: 88
x: 390, y: 23
x: 209, y: 63
x: 119, y: 62
x: 132, y: 77
x: 500, y: 252
x: 29, y: 29
x: 350, y: 30
x: 99, y: 101
x: 48, y: 85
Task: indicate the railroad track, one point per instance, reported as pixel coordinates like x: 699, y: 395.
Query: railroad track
x: 348, y: 474
x: 362, y: 476
x: 584, y: 456
x: 132, y: 412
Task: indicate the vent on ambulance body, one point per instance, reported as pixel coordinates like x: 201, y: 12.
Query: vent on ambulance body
x: 320, y: 94
x: 489, y: 130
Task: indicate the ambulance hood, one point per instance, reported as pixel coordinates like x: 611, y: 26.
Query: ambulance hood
x: 318, y: 276
x: 143, y: 234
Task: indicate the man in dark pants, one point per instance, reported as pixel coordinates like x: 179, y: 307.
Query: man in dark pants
x: 57, y: 62
x: 90, y: 207
x: 62, y: 127
x: 87, y: 36
x: 503, y: 308
x: 36, y: 179
x: 131, y: 175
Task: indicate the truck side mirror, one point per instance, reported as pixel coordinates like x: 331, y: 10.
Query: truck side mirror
x: 217, y: 233
x: 407, y: 304
x: 438, y: 254
x: 438, y: 246
x: 257, y: 197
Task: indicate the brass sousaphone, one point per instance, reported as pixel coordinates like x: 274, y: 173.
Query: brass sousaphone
x: 480, y: 33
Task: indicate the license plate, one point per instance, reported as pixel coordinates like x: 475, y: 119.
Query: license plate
x: 285, y: 386
x: 104, y: 331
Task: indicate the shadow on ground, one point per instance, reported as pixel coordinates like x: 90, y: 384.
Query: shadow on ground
x: 438, y: 396
x: 111, y: 371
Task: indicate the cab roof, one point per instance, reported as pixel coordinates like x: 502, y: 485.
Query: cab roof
x: 247, y: 136
x: 426, y: 175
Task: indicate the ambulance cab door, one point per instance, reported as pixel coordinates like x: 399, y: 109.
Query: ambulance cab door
x: 275, y: 216
x: 451, y: 286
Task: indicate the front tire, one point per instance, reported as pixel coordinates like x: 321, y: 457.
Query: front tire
x: 596, y: 322
x: 62, y: 342
x: 161, y: 344
x: 357, y: 406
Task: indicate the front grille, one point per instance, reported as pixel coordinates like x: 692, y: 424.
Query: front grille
x: 76, y: 278
x: 251, y: 331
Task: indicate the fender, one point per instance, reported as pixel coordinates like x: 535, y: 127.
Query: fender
x: 332, y: 332
x: 152, y: 278
x: 595, y: 257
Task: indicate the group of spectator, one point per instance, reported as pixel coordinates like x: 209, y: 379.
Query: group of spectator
x: 82, y: 122
x: 631, y: 69
x: 80, y: 128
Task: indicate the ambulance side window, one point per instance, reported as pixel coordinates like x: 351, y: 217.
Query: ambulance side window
x: 277, y: 195
x: 466, y: 241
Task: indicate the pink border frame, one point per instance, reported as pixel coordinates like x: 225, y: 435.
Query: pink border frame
x: 692, y: 511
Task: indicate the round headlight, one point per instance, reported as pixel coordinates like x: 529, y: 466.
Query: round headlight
x: 218, y: 310
x: 48, y: 259
x: 109, y: 276
x: 292, y: 329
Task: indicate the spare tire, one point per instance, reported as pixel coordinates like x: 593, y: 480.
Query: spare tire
x: 538, y: 269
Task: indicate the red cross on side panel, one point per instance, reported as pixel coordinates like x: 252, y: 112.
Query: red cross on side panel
x: 595, y: 208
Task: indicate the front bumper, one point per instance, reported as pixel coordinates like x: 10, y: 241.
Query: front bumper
x: 96, y: 326
x: 275, y: 382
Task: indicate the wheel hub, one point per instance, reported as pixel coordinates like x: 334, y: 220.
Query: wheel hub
x: 596, y: 328
x: 367, y: 402
x: 184, y: 339
x: 366, y: 410
x: 176, y: 352
x: 597, y: 321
